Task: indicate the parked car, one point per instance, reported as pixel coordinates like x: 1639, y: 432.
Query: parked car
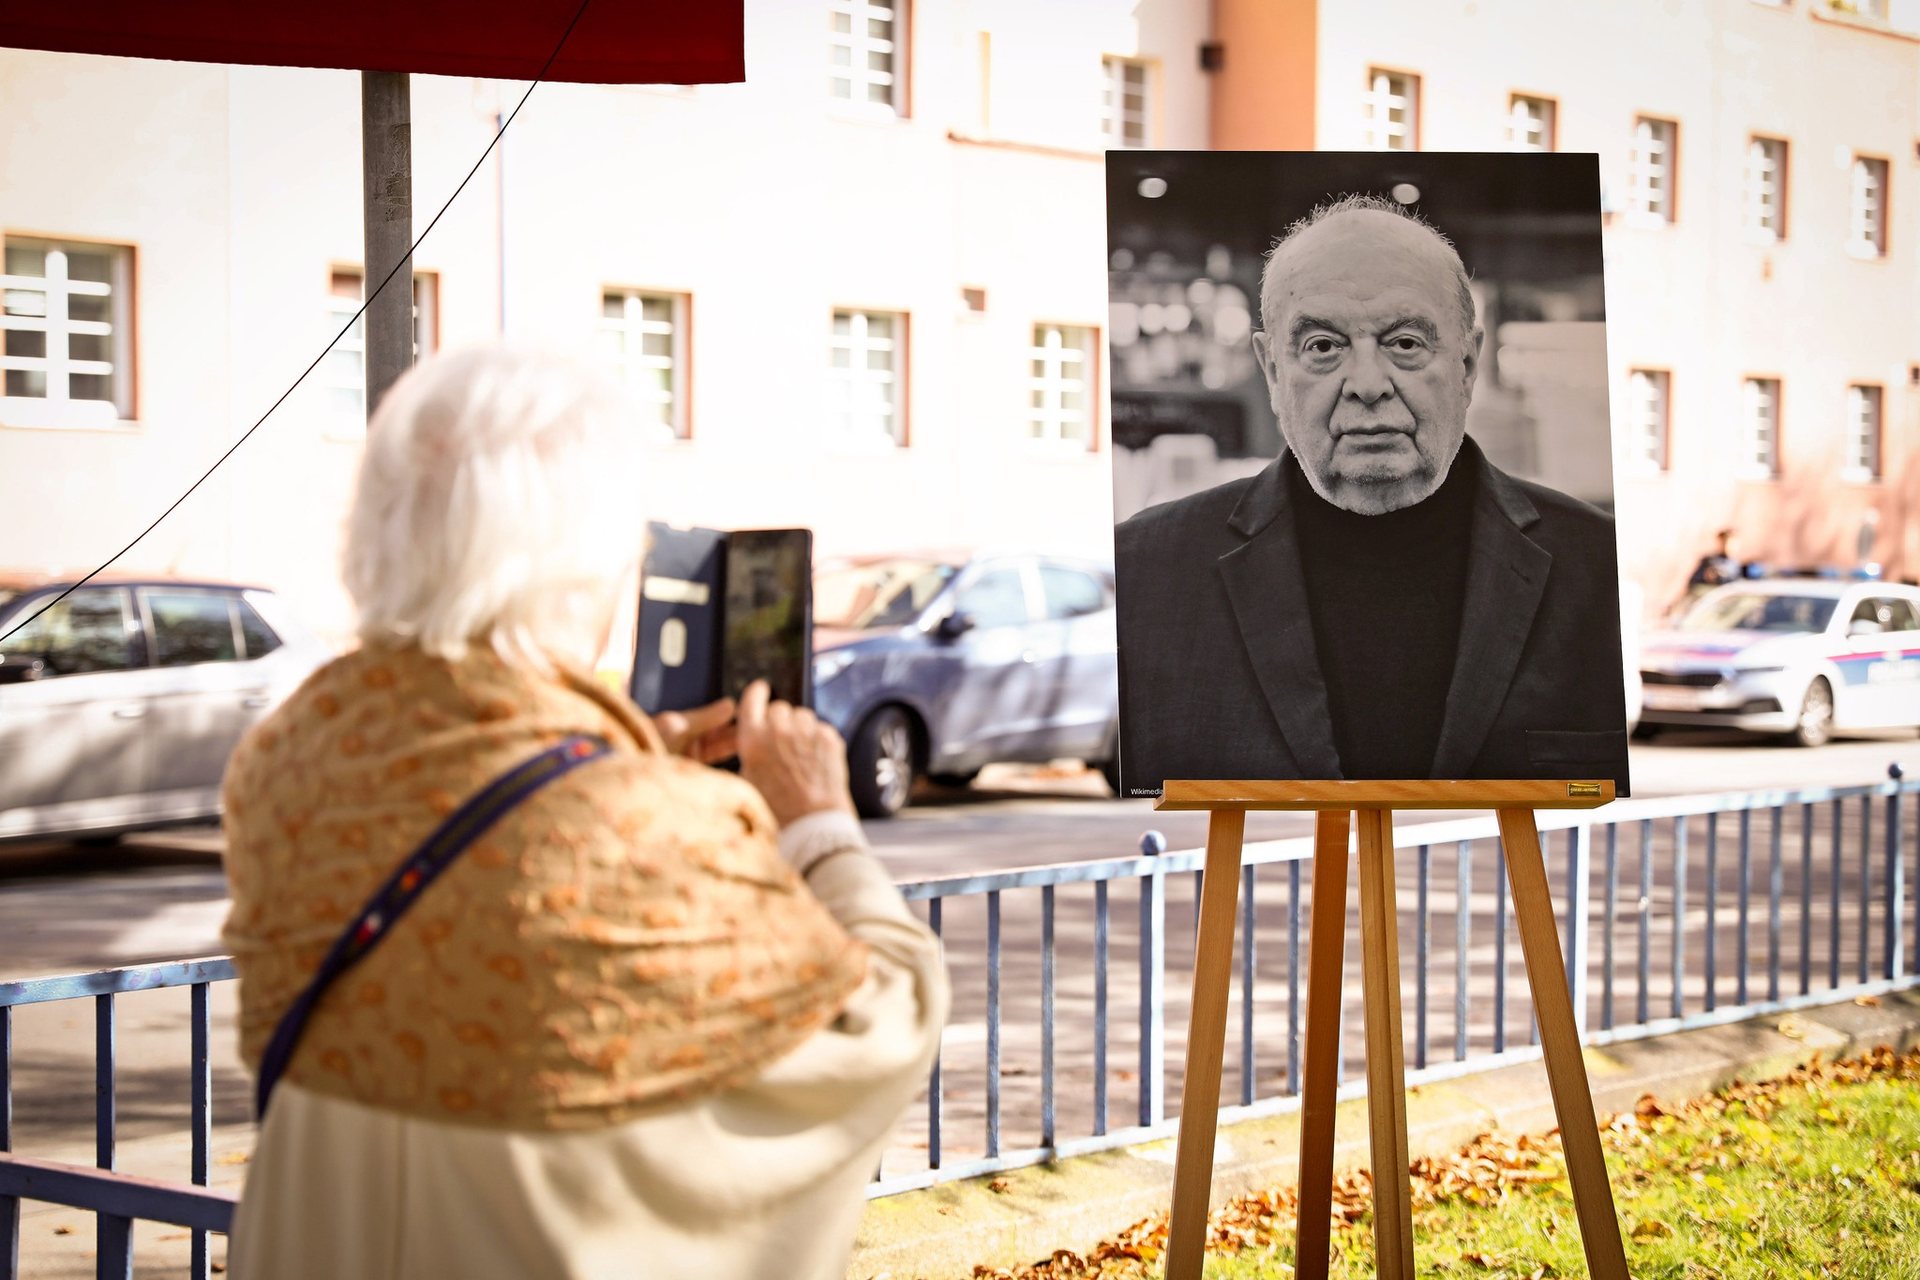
x: 938, y: 665
x: 120, y: 704
x: 1800, y: 657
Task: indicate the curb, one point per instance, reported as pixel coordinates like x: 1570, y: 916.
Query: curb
x: 943, y: 1232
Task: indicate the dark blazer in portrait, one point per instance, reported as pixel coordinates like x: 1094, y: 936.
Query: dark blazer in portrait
x: 1220, y: 678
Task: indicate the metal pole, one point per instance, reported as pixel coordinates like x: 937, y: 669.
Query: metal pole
x: 386, y: 158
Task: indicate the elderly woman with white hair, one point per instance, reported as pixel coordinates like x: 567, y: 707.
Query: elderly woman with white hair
x: 529, y: 988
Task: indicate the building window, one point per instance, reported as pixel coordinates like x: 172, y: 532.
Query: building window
x: 1647, y: 402
x: 1650, y: 170
x: 644, y: 336
x: 1060, y: 391
x: 343, y: 373
x: 1759, y: 457
x: 867, y: 53
x: 67, y: 322
x: 1863, y: 433
x: 1867, y: 208
x: 1530, y: 124
x: 1392, y: 111
x: 1766, y: 189
x: 1123, y: 105
x: 868, y: 353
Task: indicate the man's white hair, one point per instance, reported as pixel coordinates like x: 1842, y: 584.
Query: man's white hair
x: 1359, y: 202
x: 496, y: 504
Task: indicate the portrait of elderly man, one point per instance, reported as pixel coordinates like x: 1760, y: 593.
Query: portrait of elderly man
x: 1380, y: 601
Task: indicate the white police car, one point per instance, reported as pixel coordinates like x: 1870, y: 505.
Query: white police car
x: 1800, y: 657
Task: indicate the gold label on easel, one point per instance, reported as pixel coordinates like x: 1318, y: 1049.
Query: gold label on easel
x: 1575, y: 790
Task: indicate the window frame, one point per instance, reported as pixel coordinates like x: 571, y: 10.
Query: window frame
x: 1100, y: 582
x: 1878, y: 249
x: 1850, y: 468
x: 1113, y: 110
x: 41, y: 601
x: 426, y: 325
x: 899, y: 105
x: 680, y: 359
x: 123, y: 336
x: 1091, y: 387
x: 1376, y: 132
x: 1022, y: 569
x: 1551, y: 138
x: 143, y: 594
x: 903, y: 432
x: 1754, y: 230
x: 1669, y: 213
x: 1747, y: 467
x: 1639, y: 457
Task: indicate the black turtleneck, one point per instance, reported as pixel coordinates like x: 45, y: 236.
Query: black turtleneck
x: 1385, y: 595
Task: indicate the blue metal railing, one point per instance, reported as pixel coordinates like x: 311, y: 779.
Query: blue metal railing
x: 116, y: 1199
x: 976, y: 914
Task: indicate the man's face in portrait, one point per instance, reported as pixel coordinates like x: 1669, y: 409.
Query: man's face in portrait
x: 1368, y: 357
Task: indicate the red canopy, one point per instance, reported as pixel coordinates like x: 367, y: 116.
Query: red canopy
x: 616, y: 41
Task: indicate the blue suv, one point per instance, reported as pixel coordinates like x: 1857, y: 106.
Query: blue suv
x: 935, y: 666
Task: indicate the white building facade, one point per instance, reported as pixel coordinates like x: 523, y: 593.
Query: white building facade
x: 863, y: 291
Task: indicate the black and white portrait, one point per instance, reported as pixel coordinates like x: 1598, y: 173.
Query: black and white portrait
x: 1363, y: 470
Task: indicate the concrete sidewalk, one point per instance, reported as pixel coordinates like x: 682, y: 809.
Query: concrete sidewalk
x: 946, y: 1230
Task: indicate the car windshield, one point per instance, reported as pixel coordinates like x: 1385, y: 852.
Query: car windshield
x: 1760, y: 611
x: 885, y: 593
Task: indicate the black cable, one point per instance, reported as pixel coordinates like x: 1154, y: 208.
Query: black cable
x: 501, y: 133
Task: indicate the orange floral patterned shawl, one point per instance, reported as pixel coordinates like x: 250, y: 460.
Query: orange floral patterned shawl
x: 627, y: 938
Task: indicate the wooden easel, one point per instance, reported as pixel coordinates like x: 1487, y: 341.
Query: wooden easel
x: 1333, y: 804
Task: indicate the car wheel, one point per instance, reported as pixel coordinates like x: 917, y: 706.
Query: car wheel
x: 1815, y: 725
x: 957, y: 781
x: 880, y: 763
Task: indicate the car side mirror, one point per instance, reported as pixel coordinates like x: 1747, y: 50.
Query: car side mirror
x: 19, y: 668
x: 1865, y: 627
x: 954, y: 625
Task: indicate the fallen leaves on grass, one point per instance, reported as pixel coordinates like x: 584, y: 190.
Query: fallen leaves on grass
x: 1486, y: 1171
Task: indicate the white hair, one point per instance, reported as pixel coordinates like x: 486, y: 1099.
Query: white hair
x: 496, y: 504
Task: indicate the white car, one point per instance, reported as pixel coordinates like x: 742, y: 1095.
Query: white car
x: 1801, y: 657
x: 120, y: 704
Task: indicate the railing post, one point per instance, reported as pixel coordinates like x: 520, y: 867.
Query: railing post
x: 1046, y: 1016
x: 1462, y: 937
x: 933, y: 1076
x: 1293, y: 977
x: 201, y: 1105
x: 1896, y: 882
x: 1421, y: 952
x: 1579, y: 899
x: 9, y: 1205
x: 1249, y: 971
x: 1100, y: 915
x: 115, y: 1235
x: 1678, y: 956
x: 993, y: 1023
x: 1153, y: 967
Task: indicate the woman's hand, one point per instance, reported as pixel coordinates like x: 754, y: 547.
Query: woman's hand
x: 796, y: 759
x: 705, y: 734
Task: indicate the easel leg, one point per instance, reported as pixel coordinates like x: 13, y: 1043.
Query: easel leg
x: 1386, y: 1066
x: 1320, y: 1051
x: 1560, y: 1045
x: 1206, y: 1041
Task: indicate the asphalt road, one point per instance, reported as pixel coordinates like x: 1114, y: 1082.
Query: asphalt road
x: 161, y: 896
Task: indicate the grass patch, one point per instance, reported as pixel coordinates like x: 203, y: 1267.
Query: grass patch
x: 1816, y: 1175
